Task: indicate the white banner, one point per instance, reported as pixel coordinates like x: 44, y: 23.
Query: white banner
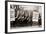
x: 35, y: 16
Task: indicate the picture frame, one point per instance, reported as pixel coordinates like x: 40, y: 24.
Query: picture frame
x: 7, y: 14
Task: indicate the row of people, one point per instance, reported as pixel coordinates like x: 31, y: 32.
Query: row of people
x: 23, y: 22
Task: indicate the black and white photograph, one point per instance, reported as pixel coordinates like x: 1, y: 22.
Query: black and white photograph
x: 24, y: 17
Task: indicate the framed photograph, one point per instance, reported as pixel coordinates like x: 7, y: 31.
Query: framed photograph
x: 22, y: 16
